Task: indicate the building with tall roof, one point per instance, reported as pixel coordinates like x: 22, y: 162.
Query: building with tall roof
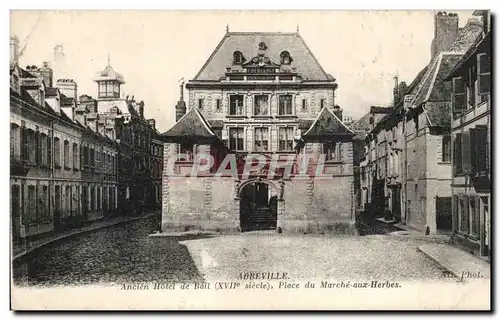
x: 75, y: 159
x: 410, y: 148
x: 470, y: 115
x: 261, y: 94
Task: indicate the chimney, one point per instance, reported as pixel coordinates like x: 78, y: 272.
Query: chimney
x: 402, y: 91
x: 47, y: 73
x: 68, y: 87
x: 180, y: 108
x: 14, y: 51
x: 395, y: 92
x: 152, y: 123
x: 445, y: 32
x: 337, y: 110
x: 141, y: 109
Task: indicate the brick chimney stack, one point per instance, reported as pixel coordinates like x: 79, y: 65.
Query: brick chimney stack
x: 445, y: 32
x: 180, y: 108
x: 337, y: 110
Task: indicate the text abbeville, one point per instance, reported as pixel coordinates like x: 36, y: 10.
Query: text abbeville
x: 263, y: 276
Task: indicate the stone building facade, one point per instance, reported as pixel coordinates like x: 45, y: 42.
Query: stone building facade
x: 64, y: 154
x: 410, y: 149
x: 471, y: 141
x: 264, y: 95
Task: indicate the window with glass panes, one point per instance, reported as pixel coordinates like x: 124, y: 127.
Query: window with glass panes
x: 261, y: 139
x: 285, y: 105
x: 261, y: 105
x: 285, y: 136
x: 236, y: 139
x: 332, y: 150
x: 109, y: 89
x: 236, y: 105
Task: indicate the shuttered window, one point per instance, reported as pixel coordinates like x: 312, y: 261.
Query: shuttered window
x: 483, y: 73
x: 446, y: 148
x: 457, y: 154
x: 481, y: 150
x: 459, y: 98
x: 466, y: 152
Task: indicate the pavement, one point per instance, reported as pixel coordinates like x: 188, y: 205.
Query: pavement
x: 461, y: 264
x: 302, y: 257
x: 22, y: 249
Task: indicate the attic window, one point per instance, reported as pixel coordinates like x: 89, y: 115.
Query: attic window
x: 238, y: 57
x: 285, y: 57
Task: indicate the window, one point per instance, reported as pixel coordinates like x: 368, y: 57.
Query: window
x: 92, y: 198
x: 43, y: 149
x: 200, y: 103
x: 217, y: 105
x: 285, y: 139
x: 285, y: 58
x: 304, y: 105
x: 67, y: 200
x: 66, y: 154
x: 92, y: 158
x: 236, y: 105
x: 261, y: 105
x: 483, y: 73
x: 31, y: 146
x: 44, y: 205
x: 99, y: 204
x: 471, y: 87
x: 332, y: 151
x: 457, y: 154
x: 236, y: 139
x: 30, y: 213
x: 481, y: 154
x: 188, y: 150
x: 446, y: 149
x: 15, y: 141
x: 459, y: 95
x: 261, y: 139
x: 285, y: 105
x: 77, y: 197
x: 474, y: 212
x: 238, y: 57
x: 57, y: 152
x: 322, y: 103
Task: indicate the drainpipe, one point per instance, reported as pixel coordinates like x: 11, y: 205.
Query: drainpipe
x: 51, y: 181
x: 405, y: 161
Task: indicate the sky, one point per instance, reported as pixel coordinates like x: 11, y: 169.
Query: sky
x: 363, y: 50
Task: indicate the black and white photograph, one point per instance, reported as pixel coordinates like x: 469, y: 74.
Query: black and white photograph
x: 250, y: 160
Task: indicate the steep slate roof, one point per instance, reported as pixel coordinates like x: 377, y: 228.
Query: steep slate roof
x: 247, y: 42
x: 327, y: 124
x: 191, y: 127
x: 480, y: 43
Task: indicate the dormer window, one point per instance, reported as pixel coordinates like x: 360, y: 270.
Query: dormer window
x: 285, y: 58
x: 238, y: 57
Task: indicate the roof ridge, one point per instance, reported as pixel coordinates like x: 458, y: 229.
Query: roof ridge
x: 434, y: 76
x: 262, y: 33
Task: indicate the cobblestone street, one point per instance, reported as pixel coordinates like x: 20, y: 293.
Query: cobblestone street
x: 125, y: 253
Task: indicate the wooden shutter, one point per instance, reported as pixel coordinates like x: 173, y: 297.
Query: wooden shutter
x: 483, y: 73
x: 82, y: 157
x: 38, y: 147
x: 466, y: 152
x: 457, y: 154
x: 24, y: 143
x: 49, y: 151
x: 459, y: 95
x: 440, y: 149
x: 473, y: 153
x: 481, y: 145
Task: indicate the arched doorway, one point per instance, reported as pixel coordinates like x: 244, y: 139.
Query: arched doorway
x: 258, y: 206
